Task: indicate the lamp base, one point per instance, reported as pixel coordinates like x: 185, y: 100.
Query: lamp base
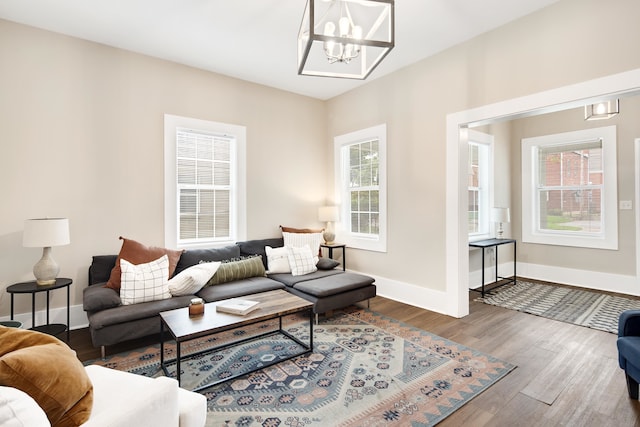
x: 46, y: 270
x: 329, y: 236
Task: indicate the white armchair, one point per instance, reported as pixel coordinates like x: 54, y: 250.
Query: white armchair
x: 125, y: 399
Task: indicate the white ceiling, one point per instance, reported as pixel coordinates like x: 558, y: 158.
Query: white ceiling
x: 255, y: 40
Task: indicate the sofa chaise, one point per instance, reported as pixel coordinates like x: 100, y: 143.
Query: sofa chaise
x: 111, y: 322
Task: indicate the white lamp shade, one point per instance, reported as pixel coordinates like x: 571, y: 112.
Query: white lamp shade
x: 46, y: 232
x: 500, y: 215
x: 328, y: 214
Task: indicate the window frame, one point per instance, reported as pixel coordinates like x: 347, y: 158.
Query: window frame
x: 608, y: 237
x: 377, y: 243
x: 237, y: 216
x: 486, y: 144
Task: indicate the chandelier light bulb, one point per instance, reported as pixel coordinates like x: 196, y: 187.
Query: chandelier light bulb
x: 329, y: 29
x: 601, y: 108
x: 344, y: 26
x: 357, y: 32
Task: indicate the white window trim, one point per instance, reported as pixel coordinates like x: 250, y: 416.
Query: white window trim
x: 378, y: 243
x: 482, y: 138
x: 608, y: 239
x: 239, y: 181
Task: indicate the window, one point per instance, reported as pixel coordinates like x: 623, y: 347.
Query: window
x: 360, y: 159
x: 204, y: 183
x: 569, y: 189
x: 480, y: 173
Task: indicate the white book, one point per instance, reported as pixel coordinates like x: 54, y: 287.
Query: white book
x: 237, y: 306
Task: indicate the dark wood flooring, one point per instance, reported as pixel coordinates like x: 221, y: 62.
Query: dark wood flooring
x: 566, y: 375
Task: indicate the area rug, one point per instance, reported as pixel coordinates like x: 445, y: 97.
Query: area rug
x: 366, y: 370
x: 571, y: 305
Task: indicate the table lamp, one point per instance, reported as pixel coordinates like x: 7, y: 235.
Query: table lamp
x: 500, y: 215
x: 45, y: 233
x: 328, y: 214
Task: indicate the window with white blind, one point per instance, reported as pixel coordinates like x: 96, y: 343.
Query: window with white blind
x: 569, y: 189
x: 204, y: 182
x: 361, y: 186
x: 480, y: 190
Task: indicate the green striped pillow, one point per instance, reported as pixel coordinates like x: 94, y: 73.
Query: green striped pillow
x: 236, y: 270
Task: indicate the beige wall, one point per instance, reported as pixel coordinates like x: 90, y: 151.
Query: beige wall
x: 82, y: 137
x: 621, y: 261
x: 557, y: 46
x: 82, y: 134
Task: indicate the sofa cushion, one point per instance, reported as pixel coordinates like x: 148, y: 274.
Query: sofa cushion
x: 96, y: 298
x: 17, y: 408
x: 191, y: 280
x: 236, y: 270
x: 128, y: 313
x: 239, y: 288
x: 100, y: 269
x: 137, y: 253
x: 301, y: 260
x: 290, y: 281
x: 334, y: 284
x: 257, y: 247
x: 144, y: 282
x: 195, y: 256
x: 47, y: 370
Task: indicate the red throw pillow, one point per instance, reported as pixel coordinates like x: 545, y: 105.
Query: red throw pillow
x: 137, y: 253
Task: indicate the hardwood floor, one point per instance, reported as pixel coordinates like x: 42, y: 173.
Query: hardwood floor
x: 566, y: 375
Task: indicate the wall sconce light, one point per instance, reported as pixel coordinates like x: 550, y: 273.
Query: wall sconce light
x: 45, y: 233
x: 345, y: 38
x: 602, y: 110
x: 329, y: 214
x: 500, y: 215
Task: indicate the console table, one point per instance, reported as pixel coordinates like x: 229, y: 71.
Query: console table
x: 33, y: 288
x: 494, y: 243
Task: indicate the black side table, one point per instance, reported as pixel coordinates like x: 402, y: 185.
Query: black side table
x: 494, y: 243
x: 331, y: 247
x: 33, y: 288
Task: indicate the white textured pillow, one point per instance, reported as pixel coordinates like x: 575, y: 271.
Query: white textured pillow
x: 299, y: 240
x: 192, y: 279
x: 144, y: 282
x: 17, y: 408
x: 277, y: 260
x: 301, y: 260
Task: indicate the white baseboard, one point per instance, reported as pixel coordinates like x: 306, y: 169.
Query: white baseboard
x: 408, y: 293
x: 505, y: 269
x: 418, y: 296
x: 433, y: 300
x: 609, y: 282
x: 77, y: 317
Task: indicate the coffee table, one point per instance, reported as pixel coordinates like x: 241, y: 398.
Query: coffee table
x: 273, y: 305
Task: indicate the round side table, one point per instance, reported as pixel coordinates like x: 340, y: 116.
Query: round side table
x: 33, y: 288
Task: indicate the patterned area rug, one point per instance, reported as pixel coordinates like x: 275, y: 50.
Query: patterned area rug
x: 585, y: 308
x: 366, y: 370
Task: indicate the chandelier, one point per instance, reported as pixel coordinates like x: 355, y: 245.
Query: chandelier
x: 602, y: 110
x: 345, y: 38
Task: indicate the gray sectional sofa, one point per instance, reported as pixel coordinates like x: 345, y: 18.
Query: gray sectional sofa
x: 110, y: 322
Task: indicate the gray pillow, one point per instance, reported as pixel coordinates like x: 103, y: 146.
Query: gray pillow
x: 327, y: 264
x: 97, y: 298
